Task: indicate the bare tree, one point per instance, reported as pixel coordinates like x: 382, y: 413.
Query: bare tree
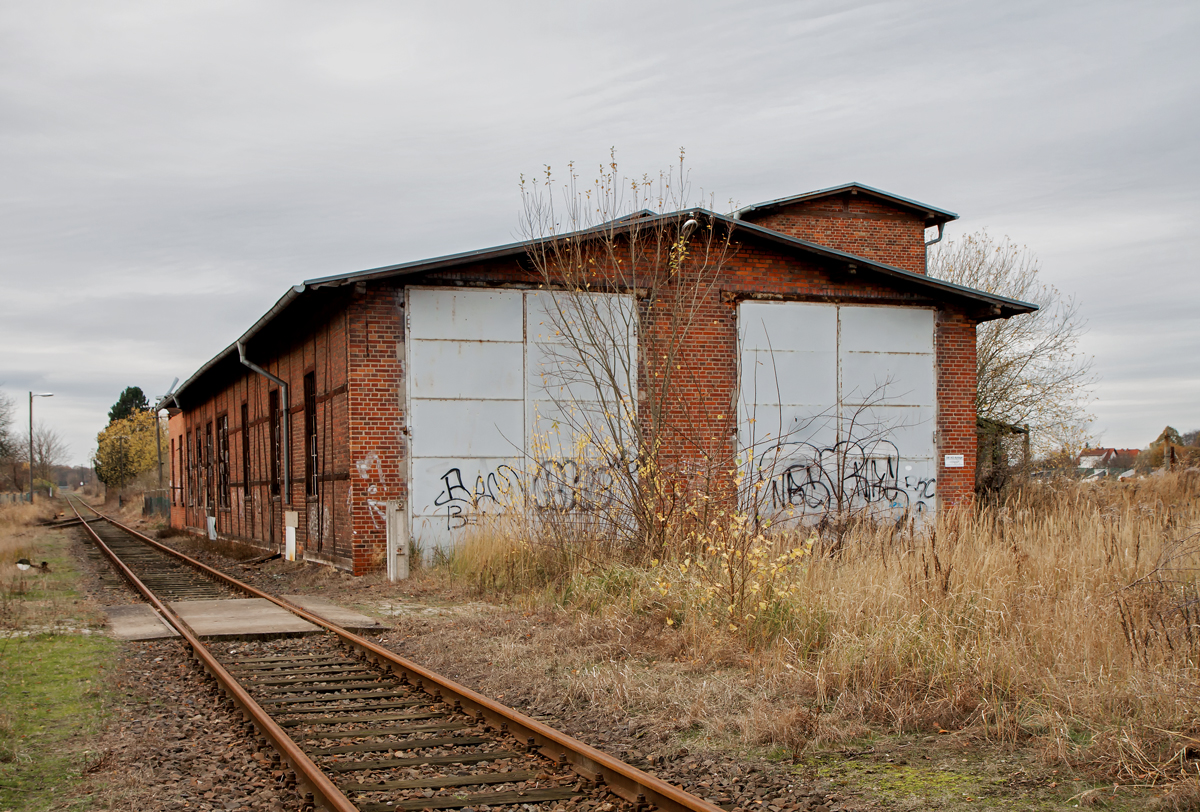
x: 629, y: 272
x: 49, y: 450
x: 1030, y: 369
x: 8, y: 442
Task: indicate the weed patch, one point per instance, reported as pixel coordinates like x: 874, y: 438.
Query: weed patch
x: 1059, y: 617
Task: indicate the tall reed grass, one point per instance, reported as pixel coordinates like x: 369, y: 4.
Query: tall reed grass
x: 1063, y: 615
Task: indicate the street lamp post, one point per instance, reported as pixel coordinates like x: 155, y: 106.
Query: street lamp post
x: 31, y: 397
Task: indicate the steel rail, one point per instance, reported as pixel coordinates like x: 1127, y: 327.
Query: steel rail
x: 623, y: 779
x: 309, y: 774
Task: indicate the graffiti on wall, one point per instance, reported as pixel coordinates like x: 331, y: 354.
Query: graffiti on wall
x: 370, y: 470
x: 851, y: 475
x: 558, y: 485
x: 566, y: 485
x: 463, y: 505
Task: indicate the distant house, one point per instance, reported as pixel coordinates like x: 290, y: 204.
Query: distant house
x: 1095, y: 458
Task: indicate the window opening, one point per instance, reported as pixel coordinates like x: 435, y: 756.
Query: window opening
x: 246, y: 449
x: 191, y: 470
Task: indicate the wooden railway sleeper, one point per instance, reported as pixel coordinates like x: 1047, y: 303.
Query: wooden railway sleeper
x: 621, y: 779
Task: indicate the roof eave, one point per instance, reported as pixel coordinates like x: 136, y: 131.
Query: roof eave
x: 283, y: 304
x: 997, y: 306
x: 1000, y: 306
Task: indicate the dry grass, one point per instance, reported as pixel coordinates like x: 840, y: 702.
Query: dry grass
x: 14, y: 523
x: 1062, y: 617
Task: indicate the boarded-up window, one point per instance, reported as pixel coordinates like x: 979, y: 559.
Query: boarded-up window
x: 223, y: 461
x: 246, y: 449
x: 312, y: 469
x: 276, y: 441
x: 209, y: 479
x: 191, y: 470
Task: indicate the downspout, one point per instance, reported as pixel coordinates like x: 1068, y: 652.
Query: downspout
x: 287, y: 419
x: 938, y: 238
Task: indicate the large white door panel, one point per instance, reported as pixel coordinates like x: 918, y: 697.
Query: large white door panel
x: 572, y: 431
x: 886, y: 329
x: 796, y: 326
x: 468, y: 428
x: 910, y: 428
x: 482, y: 370
x: 768, y: 424
x: 465, y: 314
x: 877, y: 377
x: 451, y: 486
x: 789, y: 377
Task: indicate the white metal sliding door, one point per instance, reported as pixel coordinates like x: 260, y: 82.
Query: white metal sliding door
x: 837, y: 406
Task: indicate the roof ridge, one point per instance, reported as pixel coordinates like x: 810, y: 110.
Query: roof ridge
x: 933, y: 214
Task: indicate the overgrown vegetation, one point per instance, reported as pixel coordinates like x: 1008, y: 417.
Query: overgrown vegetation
x: 1060, y: 616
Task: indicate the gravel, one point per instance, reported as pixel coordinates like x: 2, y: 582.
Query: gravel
x: 172, y: 746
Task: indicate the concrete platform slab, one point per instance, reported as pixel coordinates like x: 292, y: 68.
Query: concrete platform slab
x: 346, y: 618
x: 137, y: 622
x: 241, y: 618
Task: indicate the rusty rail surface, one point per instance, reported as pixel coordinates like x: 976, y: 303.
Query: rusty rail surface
x: 622, y: 779
x: 309, y: 775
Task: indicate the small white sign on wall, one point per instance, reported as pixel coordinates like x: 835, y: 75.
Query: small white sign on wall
x: 954, y: 461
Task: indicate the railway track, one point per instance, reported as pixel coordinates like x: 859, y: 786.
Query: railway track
x: 354, y: 726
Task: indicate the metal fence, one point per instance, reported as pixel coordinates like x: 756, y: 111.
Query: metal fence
x: 13, y: 498
x: 157, y: 503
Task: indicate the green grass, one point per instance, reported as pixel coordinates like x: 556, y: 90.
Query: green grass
x: 50, y: 697
x: 51, y: 674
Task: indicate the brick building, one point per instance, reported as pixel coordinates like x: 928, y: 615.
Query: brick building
x: 375, y: 407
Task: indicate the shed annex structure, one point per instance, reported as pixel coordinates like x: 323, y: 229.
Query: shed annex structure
x: 398, y: 404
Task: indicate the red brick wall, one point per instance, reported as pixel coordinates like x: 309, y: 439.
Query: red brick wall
x: 954, y: 349
x: 856, y: 224
x: 377, y: 419
x: 257, y: 517
x: 357, y: 355
x: 701, y: 424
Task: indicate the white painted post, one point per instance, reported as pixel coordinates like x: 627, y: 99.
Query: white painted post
x: 397, y: 541
x: 291, y: 518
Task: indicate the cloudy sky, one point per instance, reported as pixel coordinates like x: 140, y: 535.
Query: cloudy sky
x: 167, y: 170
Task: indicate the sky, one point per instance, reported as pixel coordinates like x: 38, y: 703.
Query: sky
x: 168, y: 170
